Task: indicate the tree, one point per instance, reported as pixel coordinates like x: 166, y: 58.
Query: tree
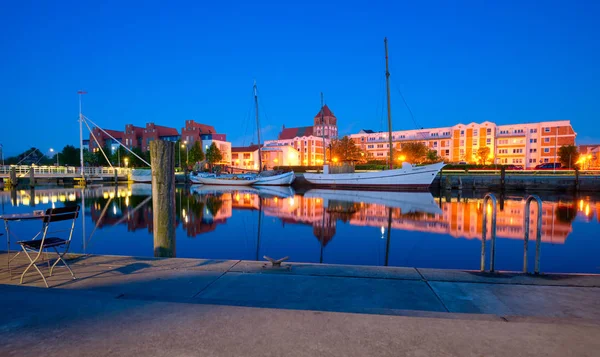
x: 69, y: 156
x: 345, y: 150
x: 483, y: 153
x: 213, y: 155
x: 413, y: 152
x: 135, y: 162
x: 568, y: 156
x: 196, y: 155
x: 432, y: 156
x: 89, y: 158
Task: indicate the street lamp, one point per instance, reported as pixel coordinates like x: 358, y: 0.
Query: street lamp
x: 182, y: 146
x: 52, y: 150
x: 126, y: 161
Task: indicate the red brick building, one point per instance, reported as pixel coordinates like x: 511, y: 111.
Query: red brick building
x: 157, y: 132
x: 192, y: 131
x: 133, y: 136
x: 104, y: 140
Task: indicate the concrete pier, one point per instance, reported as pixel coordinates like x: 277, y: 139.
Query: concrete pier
x: 122, y: 305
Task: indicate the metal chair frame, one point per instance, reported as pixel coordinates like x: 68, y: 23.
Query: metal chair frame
x: 52, y: 215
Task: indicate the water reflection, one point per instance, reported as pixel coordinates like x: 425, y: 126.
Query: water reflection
x: 256, y: 220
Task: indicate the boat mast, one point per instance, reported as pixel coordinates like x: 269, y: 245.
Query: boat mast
x: 81, y: 133
x: 323, y: 132
x: 257, y: 127
x: 389, y: 104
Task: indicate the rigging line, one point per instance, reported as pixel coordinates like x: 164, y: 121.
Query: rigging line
x: 412, y: 116
x: 112, y: 137
x: 97, y: 143
x: 247, y: 119
x: 263, y: 110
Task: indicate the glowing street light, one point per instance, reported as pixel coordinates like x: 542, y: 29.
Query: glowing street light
x: 126, y: 161
x: 52, y: 150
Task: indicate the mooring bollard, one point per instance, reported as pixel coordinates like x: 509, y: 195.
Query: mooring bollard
x: 162, y: 160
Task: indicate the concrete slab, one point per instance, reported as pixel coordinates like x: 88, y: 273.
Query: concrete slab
x: 159, y: 285
x: 523, y: 300
x: 588, y: 280
x: 329, y: 270
x: 320, y: 293
x: 92, y: 325
x: 159, y: 263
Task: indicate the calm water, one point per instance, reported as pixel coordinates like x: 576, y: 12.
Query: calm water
x: 341, y: 227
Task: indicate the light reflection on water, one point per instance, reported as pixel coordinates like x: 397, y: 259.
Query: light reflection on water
x: 341, y: 227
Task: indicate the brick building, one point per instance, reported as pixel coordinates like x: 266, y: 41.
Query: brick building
x: 157, y: 132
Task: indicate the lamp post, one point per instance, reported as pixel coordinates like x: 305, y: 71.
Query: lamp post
x: 126, y: 161
x: 182, y: 146
x: 187, y: 153
x: 52, y: 150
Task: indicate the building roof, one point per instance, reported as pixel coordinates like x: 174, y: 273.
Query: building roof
x: 166, y: 131
x: 326, y: 112
x: 367, y: 131
x: 250, y: 148
x: 290, y: 133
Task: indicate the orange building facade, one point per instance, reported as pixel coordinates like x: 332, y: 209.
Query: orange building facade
x: 527, y: 145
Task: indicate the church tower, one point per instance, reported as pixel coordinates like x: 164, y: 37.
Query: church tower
x: 330, y: 122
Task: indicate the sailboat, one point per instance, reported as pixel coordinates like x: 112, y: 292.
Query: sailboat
x: 408, y: 177
x: 263, y: 178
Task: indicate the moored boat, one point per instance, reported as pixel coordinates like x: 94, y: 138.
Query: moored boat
x: 141, y: 175
x: 408, y: 177
x: 227, y: 181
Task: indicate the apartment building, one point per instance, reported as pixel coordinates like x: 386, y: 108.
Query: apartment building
x: 220, y: 140
x: 102, y: 139
x: 520, y: 144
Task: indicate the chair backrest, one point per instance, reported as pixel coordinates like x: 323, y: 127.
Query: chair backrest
x: 61, y: 214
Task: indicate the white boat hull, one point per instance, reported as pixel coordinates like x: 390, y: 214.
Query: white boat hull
x: 284, y: 179
x: 196, y: 178
x: 410, y: 178
x: 141, y: 175
x: 224, y: 181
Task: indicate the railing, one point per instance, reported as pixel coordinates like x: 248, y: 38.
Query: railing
x: 489, y: 197
x: 538, y: 236
x: 22, y: 170
x: 529, y: 172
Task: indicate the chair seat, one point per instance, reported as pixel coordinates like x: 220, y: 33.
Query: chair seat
x: 48, y: 243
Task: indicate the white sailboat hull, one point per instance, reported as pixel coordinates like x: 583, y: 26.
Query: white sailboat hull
x: 284, y: 179
x: 408, y: 178
x: 224, y: 181
x: 196, y: 178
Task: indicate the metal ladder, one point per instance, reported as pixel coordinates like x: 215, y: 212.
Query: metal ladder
x: 538, y: 238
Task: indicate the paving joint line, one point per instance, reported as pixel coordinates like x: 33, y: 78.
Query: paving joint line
x: 212, y: 282
x: 433, y: 291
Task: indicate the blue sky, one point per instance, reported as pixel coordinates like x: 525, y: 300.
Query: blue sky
x: 455, y: 61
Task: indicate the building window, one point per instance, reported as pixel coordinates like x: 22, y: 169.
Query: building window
x: 462, y: 151
x: 533, y: 131
x: 531, y: 151
x: 546, y: 130
x: 462, y: 133
x: 488, y: 141
x: 546, y: 140
x: 435, y: 144
x: 462, y: 143
x: 475, y: 143
x: 532, y: 141
x: 546, y: 160
x: 532, y: 161
x: 546, y: 150
x: 475, y: 132
x: 447, y: 152
x: 369, y: 146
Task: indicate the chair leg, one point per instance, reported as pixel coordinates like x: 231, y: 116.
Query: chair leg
x: 30, y: 265
x: 60, y: 258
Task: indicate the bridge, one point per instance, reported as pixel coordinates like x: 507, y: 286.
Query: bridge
x: 65, y: 172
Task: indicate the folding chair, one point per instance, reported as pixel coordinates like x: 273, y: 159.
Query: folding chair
x: 37, y: 246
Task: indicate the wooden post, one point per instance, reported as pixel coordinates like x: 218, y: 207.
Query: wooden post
x: 162, y: 160
x: 13, y: 176
x: 503, y: 178
x: 576, y: 180
x: 116, y: 176
x: 31, y: 177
